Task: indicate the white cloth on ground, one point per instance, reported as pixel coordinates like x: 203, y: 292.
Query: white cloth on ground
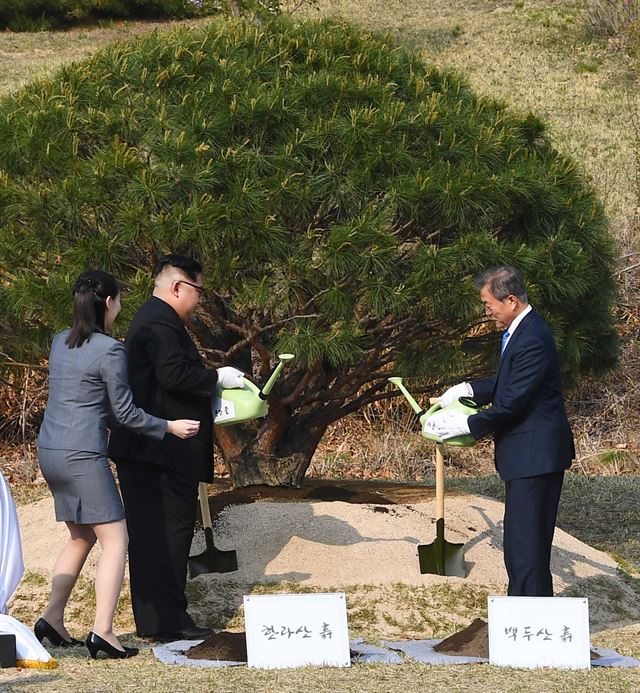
x: 28, y: 650
x: 11, y: 563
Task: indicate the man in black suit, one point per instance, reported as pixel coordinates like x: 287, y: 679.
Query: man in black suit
x: 531, y: 433
x: 159, y: 478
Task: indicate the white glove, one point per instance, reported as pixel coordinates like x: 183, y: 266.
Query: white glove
x: 454, y: 425
x: 229, y: 377
x: 453, y: 393
x: 435, y: 422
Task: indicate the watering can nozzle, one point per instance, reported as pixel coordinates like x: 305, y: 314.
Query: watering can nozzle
x: 267, y: 388
x: 414, y: 405
x: 235, y: 405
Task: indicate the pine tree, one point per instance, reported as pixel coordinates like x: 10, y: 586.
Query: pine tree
x: 340, y: 194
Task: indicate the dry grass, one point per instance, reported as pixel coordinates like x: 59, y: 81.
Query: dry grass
x: 25, y: 57
x: 405, y: 611
x: 78, y: 675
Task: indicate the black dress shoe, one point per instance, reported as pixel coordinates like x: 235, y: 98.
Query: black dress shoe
x: 190, y: 633
x: 97, y: 644
x: 43, y: 630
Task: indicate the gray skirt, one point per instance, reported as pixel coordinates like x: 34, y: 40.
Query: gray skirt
x: 84, y: 490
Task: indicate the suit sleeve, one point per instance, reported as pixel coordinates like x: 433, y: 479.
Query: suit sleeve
x: 528, y: 369
x: 174, y: 366
x: 113, y: 371
x: 483, y: 390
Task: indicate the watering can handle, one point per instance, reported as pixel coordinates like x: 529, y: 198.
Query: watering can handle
x: 204, y: 504
x: 435, y: 405
x: 439, y: 483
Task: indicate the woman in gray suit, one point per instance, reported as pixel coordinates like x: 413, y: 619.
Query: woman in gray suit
x: 88, y: 391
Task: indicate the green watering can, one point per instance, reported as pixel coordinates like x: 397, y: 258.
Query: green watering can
x: 441, y: 557
x: 464, y: 404
x: 247, y: 402
x: 229, y: 407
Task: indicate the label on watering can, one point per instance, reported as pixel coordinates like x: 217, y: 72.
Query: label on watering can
x: 223, y: 410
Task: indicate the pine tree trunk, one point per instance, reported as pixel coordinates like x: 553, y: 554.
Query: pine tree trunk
x: 278, y: 455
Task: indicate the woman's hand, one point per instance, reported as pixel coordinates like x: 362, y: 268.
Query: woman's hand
x: 183, y: 428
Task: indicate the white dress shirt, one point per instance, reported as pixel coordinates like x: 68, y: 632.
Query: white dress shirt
x: 514, y: 325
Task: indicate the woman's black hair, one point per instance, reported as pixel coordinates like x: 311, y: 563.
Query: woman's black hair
x: 90, y: 294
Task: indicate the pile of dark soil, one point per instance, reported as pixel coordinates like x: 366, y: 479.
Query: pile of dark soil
x: 223, y: 646
x: 473, y: 641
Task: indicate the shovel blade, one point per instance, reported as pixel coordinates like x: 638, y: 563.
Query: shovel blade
x: 441, y: 557
x: 212, y: 560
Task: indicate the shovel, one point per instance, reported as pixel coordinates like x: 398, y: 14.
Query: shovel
x: 247, y: 403
x: 211, y: 560
x: 441, y: 557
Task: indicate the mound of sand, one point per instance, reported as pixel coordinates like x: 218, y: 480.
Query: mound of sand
x: 335, y: 544
x: 338, y: 544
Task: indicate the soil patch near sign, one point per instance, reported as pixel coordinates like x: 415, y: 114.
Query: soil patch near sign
x: 472, y: 641
x: 223, y: 646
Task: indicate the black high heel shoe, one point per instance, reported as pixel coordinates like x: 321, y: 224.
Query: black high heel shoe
x: 97, y: 644
x: 43, y: 630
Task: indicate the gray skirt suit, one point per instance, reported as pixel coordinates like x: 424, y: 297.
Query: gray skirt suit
x: 88, y: 394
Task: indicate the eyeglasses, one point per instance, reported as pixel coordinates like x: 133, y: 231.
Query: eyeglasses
x: 199, y: 289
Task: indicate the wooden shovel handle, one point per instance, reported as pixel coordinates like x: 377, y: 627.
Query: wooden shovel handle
x: 439, y: 483
x: 204, y: 504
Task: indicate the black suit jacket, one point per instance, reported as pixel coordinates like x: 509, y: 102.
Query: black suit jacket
x: 527, y: 417
x: 168, y: 380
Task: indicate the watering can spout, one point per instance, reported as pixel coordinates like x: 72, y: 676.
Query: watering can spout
x: 245, y: 403
x: 414, y: 405
x: 274, y: 376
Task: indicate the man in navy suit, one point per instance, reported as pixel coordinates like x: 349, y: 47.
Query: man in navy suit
x: 531, y: 433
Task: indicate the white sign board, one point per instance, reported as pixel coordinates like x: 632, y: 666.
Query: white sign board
x: 223, y: 410
x: 295, y: 630
x: 530, y: 632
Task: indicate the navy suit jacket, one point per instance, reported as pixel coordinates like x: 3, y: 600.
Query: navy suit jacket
x: 527, y: 417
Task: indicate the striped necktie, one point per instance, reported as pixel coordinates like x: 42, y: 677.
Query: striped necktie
x: 505, y: 339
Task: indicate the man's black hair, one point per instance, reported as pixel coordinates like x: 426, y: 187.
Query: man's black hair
x: 187, y: 265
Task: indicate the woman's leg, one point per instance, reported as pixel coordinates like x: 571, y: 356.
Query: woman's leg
x: 113, y: 539
x: 65, y: 573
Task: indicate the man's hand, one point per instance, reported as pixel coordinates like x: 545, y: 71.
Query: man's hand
x: 453, y: 425
x: 453, y: 393
x: 229, y: 377
x: 435, y: 422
